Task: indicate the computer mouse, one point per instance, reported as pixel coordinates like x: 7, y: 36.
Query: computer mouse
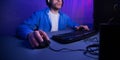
x: 44, y: 44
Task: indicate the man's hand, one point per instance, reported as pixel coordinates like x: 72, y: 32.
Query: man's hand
x: 82, y: 26
x: 37, y: 37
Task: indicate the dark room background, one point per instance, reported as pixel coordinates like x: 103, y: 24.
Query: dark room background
x: 14, y: 12
x: 106, y: 11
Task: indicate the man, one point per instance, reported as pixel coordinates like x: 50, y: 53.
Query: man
x: 48, y: 20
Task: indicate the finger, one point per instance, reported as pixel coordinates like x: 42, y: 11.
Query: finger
x: 38, y: 36
x: 44, y: 35
x: 30, y: 40
x: 33, y: 42
x: 77, y: 28
x: 86, y: 27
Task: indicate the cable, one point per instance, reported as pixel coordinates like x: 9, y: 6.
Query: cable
x: 65, y: 49
x: 90, y: 49
x: 93, y: 49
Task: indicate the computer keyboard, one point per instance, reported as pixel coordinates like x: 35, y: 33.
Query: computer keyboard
x: 74, y: 36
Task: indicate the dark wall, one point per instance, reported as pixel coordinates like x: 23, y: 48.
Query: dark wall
x: 106, y: 11
x: 13, y: 12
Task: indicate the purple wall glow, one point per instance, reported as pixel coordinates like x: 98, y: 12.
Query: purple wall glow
x: 14, y: 12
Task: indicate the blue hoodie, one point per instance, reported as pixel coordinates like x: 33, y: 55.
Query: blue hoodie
x: 40, y: 21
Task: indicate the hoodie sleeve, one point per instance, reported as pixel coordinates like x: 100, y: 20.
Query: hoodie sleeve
x: 28, y: 26
x: 71, y: 23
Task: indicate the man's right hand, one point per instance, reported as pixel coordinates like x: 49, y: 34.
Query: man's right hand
x: 37, y: 37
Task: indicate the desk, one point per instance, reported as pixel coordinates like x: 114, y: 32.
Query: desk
x: 12, y: 48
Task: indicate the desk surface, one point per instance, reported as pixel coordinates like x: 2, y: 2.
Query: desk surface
x: 12, y: 48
